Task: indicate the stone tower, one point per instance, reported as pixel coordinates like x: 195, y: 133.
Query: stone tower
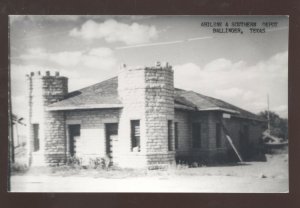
x: 46, y: 129
x: 146, y: 132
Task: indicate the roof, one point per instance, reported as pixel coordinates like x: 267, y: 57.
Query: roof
x: 205, y: 103
x: 105, y: 95
x: 100, y: 95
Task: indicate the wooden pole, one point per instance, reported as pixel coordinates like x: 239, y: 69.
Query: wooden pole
x: 269, y: 126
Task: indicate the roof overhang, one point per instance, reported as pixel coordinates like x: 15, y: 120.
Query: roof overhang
x: 116, y: 106
x: 254, y: 119
x: 83, y: 107
x: 184, y: 107
x: 234, y: 113
x: 220, y: 109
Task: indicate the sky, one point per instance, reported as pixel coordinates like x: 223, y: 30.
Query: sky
x: 241, y: 68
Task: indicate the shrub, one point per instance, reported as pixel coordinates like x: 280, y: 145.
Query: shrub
x: 74, y: 162
x: 19, y: 167
x: 95, y: 163
x: 106, y: 162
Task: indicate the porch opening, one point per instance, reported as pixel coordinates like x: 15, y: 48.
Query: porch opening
x: 111, y: 136
x: 74, y: 135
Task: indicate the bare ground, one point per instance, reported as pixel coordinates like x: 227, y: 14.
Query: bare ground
x: 251, y: 177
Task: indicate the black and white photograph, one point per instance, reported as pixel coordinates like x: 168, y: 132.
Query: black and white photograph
x: 150, y: 104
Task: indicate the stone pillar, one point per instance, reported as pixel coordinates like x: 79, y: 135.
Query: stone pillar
x: 147, y: 94
x: 44, y: 90
x: 159, y: 94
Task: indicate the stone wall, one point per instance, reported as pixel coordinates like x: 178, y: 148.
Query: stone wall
x: 159, y: 98
x: 159, y: 94
x: 44, y: 89
x: 55, y: 134
x: 147, y: 94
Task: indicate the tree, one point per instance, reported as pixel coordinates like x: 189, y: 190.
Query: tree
x: 278, y: 125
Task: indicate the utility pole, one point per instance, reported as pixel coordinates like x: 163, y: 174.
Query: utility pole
x: 269, y: 126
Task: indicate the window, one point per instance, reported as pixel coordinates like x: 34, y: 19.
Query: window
x: 176, y: 134
x: 36, y: 137
x: 170, y: 135
x: 196, y: 135
x: 218, y: 135
x: 135, y: 135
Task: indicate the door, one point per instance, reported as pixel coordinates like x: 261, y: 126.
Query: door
x: 74, y: 135
x: 111, y: 130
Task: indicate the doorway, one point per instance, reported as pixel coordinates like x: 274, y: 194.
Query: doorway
x: 111, y: 136
x: 74, y: 135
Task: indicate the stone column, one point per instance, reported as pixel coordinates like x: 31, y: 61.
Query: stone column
x: 159, y: 101
x: 147, y: 95
x: 44, y: 90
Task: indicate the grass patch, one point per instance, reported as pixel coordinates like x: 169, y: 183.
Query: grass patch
x: 276, y: 165
x: 111, y: 172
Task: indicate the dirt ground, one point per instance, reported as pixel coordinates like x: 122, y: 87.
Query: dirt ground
x: 251, y: 177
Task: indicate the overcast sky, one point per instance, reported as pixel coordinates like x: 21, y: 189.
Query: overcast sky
x: 238, y: 68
